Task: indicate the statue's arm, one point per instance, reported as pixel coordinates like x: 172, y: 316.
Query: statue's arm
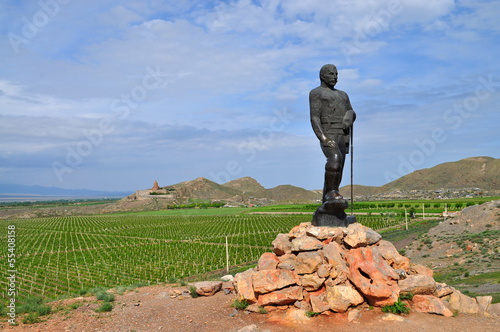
x: 350, y: 115
x: 315, y: 107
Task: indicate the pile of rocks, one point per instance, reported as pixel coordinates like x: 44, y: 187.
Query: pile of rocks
x: 323, y: 268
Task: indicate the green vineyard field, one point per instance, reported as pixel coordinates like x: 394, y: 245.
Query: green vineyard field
x: 59, y: 256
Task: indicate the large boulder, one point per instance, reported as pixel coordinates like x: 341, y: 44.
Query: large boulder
x: 333, y: 254
x: 243, y: 285
x: 325, y: 232
x: 318, y: 300
x: 431, y: 304
x: 463, y: 304
x: 268, y: 261
x: 287, y: 262
x: 311, y: 282
x: 360, y: 236
x: 341, y: 297
x: 418, y: 284
x: 372, y: 276
x: 392, y: 256
x: 299, y: 230
x: 282, y: 296
x: 207, y: 288
x: 442, y: 289
x: 484, y: 302
x: 269, y: 280
x: 308, y: 262
x: 306, y: 243
x: 282, y: 245
x: 420, y: 269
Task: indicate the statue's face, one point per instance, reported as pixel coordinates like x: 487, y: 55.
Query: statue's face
x: 329, y: 75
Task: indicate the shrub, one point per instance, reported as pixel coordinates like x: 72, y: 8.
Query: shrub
x: 32, y: 318
x: 34, y: 304
x: 398, y: 307
x: 105, y: 296
x: 82, y: 292
x: 183, y: 283
x: 407, y: 296
x: 192, y: 291
x: 262, y: 310
x: 105, y: 307
x: 312, y: 313
x: 240, y: 304
x: 172, y: 280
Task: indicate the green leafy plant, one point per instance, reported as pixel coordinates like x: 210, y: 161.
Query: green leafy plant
x: 407, y: 296
x: 172, y: 280
x: 192, y: 291
x: 241, y: 304
x: 312, y: 313
x: 399, y: 308
x: 262, y: 310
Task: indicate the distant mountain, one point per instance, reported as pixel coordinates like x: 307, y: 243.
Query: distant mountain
x: 16, y: 189
x: 242, y: 190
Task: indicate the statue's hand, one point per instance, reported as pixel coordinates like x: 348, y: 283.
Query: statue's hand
x: 329, y: 143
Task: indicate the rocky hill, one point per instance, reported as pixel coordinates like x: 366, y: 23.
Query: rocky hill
x: 474, y: 172
x: 243, y: 190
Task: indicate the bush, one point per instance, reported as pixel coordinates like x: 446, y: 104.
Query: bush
x: 34, y: 304
x: 240, y: 304
x: 172, y: 280
x: 398, y: 307
x: 105, y: 296
x: 312, y: 313
x: 105, y: 307
x: 407, y: 296
x: 192, y: 291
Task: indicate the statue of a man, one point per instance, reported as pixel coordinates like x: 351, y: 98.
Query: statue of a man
x: 331, y: 117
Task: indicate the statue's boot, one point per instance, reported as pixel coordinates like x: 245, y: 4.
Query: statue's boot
x: 331, y: 190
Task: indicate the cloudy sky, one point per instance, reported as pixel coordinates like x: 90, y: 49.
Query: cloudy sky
x: 112, y: 95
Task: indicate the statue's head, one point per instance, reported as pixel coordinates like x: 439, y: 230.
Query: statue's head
x: 329, y: 75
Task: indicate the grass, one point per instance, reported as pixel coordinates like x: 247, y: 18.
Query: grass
x: 192, y: 291
x: 312, y: 313
x: 105, y: 296
x: 105, y: 307
x: 190, y: 212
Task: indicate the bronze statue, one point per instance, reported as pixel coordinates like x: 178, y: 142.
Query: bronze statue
x: 331, y: 117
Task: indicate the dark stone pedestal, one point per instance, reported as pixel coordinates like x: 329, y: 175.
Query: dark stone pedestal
x: 331, y: 213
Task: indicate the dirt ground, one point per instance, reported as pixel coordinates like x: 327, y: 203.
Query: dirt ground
x: 151, y: 309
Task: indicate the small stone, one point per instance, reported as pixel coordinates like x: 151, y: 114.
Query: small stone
x: 207, y: 288
x: 494, y: 309
x: 319, y: 302
x: 297, y: 315
x: 324, y: 270
x: 392, y: 256
x: 227, y: 277
x: 392, y: 317
x: 354, y: 315
x: 253, y: 308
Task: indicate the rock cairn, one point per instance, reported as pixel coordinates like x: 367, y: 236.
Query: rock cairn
x: 323, y: 268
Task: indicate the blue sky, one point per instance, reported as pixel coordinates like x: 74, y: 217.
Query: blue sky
x: 112, y: 95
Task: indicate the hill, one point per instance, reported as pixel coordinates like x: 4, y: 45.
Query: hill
x: 245, y: 185
x: 475, y: 172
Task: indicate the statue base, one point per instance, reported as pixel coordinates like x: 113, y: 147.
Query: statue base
x: 331, y: 213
